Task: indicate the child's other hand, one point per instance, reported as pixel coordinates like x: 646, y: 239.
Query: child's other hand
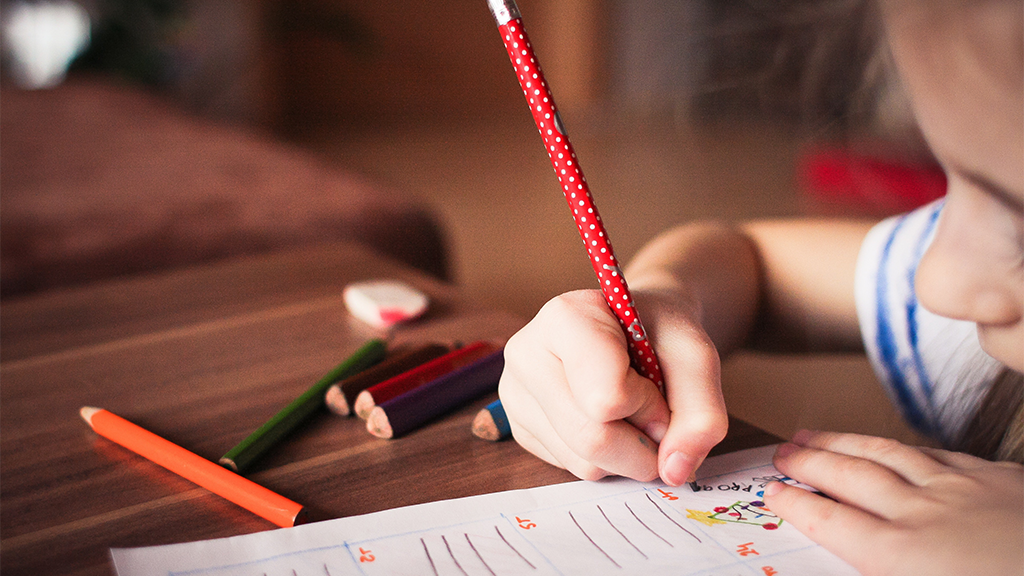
x: 573, y: 400
x: 903, y: 510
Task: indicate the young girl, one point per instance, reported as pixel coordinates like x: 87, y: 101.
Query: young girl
x: 936, y: 297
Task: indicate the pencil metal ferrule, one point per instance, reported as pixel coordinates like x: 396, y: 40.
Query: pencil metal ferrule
x: 504, y: 11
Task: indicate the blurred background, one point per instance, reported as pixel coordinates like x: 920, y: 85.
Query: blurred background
x: 148, y: 134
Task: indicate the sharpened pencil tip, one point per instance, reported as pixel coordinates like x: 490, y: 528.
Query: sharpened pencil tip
x: 86, y: 412
x: 229, y: 464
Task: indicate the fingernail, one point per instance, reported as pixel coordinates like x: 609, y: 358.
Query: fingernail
x: 801, y: 437
x: 786, y: 449
x: 677, y: 468
x: 773, y: 488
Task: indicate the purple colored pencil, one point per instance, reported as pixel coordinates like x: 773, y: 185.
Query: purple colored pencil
x: 411, y: 410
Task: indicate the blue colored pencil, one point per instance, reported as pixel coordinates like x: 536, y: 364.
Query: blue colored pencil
x: 491, y: 423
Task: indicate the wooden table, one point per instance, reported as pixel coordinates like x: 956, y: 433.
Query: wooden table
x: 203, y: 357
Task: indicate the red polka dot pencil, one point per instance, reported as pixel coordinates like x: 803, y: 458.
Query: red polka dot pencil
x: 574, y: 186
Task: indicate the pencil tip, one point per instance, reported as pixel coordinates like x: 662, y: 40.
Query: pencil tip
x: 86, y: 413
x: 229, y: 464
x: 336, y: 401
x: 483, y: 425
x: 378, y: 425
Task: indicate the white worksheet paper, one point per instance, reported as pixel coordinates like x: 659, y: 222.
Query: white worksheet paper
x: 613, y: 526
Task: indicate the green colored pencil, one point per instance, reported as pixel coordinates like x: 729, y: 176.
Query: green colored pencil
x: 249, y: 450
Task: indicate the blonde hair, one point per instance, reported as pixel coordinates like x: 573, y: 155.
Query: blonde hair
x: 996, y: 431
x: 824, y: 63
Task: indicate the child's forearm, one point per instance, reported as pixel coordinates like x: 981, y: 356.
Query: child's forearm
x: 776, y: 284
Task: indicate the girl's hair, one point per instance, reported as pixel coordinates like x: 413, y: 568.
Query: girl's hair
x: 827, y: 64
x: 824, y: 63
x: 996, y: 432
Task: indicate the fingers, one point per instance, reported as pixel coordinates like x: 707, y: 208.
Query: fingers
x: 567, y: 387
x: 847, y: 532
x: 694, y: 395
x: 561, y: 434
x: 849, y: 479
x: 570, y: 392
x: 957, y: 460
x: 909, y: 462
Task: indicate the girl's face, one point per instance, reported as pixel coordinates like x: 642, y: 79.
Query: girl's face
x: 962, y: 63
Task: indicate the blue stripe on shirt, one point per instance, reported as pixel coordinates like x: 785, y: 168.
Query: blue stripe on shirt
x: 888, y: 350
x: 912, y: 304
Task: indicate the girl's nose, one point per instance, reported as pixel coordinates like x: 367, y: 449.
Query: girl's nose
x: 967, y: 273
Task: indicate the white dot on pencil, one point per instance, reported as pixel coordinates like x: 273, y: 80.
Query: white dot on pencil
x: 581, y: 202
x: 591, y: 226
x: 515, y: 44
x: 568, y: 162
x: 557, y: 138
x: 584, y: 219
x: 616, y: 289
x: 626, y: 313
x: 536, y: 92
x: 571, y: 179
x: 524, y: 51
x: 593, y: 242
x: 619, y: 306
x: 603, y: 250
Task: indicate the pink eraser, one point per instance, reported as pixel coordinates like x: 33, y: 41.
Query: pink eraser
x: 382, y: 303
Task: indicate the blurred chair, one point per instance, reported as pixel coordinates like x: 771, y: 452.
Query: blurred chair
x: 101, y: 178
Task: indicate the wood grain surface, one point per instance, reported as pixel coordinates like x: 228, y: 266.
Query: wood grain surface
x: 202, y: 357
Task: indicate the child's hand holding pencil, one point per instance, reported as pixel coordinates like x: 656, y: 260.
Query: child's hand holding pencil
x: 573, y: 400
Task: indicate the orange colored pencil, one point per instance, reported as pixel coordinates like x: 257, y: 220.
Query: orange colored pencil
x: 191, y: 466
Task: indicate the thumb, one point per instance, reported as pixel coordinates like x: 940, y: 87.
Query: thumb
x: 698, y: 418
x: 650, y: 413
